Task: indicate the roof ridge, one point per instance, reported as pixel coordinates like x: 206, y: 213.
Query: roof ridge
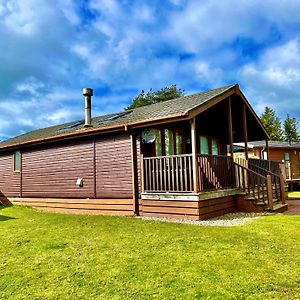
x: 157, y: 111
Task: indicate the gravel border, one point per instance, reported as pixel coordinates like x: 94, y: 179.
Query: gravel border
x: 232, y: 219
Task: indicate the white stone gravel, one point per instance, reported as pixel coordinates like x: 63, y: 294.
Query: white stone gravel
x: 232, y: 219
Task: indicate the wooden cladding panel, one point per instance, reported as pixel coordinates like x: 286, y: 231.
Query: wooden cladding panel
x: 53, y: 171
x: 278, y: 155
x: 81, y: 206
x: 171, y: 209
x: 295, y: 164
x: 217, y: 207
x: 113, y: 167
x: 9, y: 181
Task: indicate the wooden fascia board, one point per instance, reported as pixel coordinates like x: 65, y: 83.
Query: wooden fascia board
x: 64, y: 137
x: 198, y: 110
x: 153, y: 122
x: 92, y: 132
x: 239, y: 92
x: 279, y: 148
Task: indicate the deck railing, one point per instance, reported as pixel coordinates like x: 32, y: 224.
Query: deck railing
x: 272, y: 166
x: 251, y: 182
x: 215, y: 172
x: 258, y: 166
x: 172, y: 173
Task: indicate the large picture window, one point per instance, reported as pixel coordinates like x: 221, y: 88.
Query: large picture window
x: 17, y: 161
x: 169, y: 142
x: 209, y: 146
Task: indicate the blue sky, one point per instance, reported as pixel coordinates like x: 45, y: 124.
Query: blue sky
x: 50, y: 50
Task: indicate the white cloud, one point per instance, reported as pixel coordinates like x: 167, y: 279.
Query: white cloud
x: 107, y: 7
x: 274, y: 79
x: 50, y: 50
x: 208, y: 74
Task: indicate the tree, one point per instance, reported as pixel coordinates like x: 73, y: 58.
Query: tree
x: 290, y: 130
x: 152, y: 97
x: 272, y: 124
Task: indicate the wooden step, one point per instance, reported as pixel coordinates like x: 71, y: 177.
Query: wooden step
x: 278, y: 208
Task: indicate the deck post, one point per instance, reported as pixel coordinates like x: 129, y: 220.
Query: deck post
x: 282, y: 189
x: 135, y: 192
x: 245, y: 131
x: 270, y: 191
x: 142, y: 172
x: 194, y: 155
x: 268, y: 154
x: 230, y: 134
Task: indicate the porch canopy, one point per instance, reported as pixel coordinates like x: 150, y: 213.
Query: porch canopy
x: 209, y: 124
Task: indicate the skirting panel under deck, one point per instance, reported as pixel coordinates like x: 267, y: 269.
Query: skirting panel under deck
x: 195, y: 207
x: 122, y: 207
x: 170, y: 209
x: 217, y: 207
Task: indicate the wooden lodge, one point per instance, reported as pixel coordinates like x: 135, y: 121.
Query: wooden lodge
x: 169, y: 159
x: 285, y: 153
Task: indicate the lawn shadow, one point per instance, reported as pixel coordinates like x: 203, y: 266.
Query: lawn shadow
x: 5, y: 218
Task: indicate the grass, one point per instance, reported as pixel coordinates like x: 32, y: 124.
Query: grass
x: 55, y: 256
x: 294, y: 194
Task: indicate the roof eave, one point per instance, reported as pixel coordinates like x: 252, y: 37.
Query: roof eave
x: 91, y: 132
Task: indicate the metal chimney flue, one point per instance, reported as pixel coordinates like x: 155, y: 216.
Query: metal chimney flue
x: 88, y: 93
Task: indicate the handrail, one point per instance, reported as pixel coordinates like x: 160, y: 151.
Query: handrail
x: 167, y: 156
x: 249, y: 170
x: 252, y: 182
x: 264, y: 170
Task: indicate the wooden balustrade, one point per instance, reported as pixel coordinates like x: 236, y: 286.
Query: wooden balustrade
x: 168, y: 173
x: 215, y: 172
x: 254, y: 184
x: 174, y: 173
x: 258, y: 166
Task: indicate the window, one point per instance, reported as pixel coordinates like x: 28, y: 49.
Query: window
x: 214, y: 147
x: 179, y: 145
x: 287, y: 165
x: 169, y: 142
x: 204, y: 147
x: 17, y: 161
x: 158, y: 146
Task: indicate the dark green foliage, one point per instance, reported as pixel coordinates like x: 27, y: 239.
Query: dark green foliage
x: 152, y: 96
x: 272, y: 124
x: 290, y: 130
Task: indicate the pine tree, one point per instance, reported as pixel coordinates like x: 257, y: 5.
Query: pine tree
x: 290, y: 130
x: 152, y: 97
x: 272, y: 124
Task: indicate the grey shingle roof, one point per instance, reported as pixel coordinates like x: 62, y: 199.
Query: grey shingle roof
x: 275, y: 144
x: 167, y: 109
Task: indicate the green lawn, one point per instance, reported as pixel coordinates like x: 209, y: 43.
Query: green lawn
x: 294, y: 194
x: 55, y: 256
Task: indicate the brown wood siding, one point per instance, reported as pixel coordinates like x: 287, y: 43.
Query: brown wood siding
x: 217, y: 207
x: 278, y: 155
x: 295, y: 164
x: 9, y: 180
x: 78, y: 206
x: 53, y: 172
x: 171, y: 209
x: 113, y: 167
